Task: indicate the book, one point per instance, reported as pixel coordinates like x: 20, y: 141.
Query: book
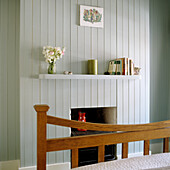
x: 124, y: 65
x: 119, y: 70
x: 128, y: 66
x: 131, y: 67
x: 121, y: 66
x: 112, y: 67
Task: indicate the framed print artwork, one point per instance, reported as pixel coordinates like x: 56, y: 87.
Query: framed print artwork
x: 91, y: 16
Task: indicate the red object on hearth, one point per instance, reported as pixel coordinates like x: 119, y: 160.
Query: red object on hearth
x: 83, y: 120
x: 80, y: 119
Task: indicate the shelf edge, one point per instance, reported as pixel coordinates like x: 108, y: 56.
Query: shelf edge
x: 88, y: 77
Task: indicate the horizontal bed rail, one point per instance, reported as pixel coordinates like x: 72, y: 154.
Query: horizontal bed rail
x: 123, y: 134
x: 106, y: 127
x: 104, y: 139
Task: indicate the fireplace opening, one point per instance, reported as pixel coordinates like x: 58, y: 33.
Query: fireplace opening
x: 106, y: 115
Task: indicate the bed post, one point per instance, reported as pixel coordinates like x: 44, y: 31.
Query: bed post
x: 166, y: 145
x: 124, y: 150
x: 101, y: 153
x: 146, y: 147
x: 74, y: 158
x: 41, y: 135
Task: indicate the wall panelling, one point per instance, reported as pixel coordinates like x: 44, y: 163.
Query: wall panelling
x: 56, y: 23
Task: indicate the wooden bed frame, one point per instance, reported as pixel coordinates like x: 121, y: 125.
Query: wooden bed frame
x: 123, y: 134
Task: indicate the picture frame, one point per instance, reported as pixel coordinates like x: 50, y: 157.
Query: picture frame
x: 91, y: 16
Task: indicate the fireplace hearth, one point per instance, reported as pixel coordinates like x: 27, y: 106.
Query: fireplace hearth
x: 95, y: 115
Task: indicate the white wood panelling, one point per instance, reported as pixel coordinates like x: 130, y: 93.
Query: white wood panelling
x: 131, y: 83
x: 136, y: 60
x: 9, y: 80
x: 56, y: 22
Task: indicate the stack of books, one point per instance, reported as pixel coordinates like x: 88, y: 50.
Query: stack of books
x: 121, y: 66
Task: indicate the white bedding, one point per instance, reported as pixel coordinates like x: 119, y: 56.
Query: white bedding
x: 158, y: 161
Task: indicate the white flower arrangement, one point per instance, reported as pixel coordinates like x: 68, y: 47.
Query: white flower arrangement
x: 52, y: 54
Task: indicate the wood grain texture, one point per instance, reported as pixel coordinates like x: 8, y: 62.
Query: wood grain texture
x: 166, y: 145
x: 146, y: 147
x: 74, y: 158
x: 101, y: 153
x: 106, y: 127
x: 41, y: 108
x: 124, y: 150
x: 104, y: 139
x: 41, y: 141
x: 74, y: 143
x: 41, y: 136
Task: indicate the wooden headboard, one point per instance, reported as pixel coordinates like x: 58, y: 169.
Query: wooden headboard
x: 123, y: 134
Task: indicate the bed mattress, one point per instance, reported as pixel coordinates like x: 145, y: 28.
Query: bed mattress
x: 156, y: 161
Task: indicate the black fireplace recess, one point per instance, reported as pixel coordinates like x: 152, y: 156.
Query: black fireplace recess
x: 90, y: 155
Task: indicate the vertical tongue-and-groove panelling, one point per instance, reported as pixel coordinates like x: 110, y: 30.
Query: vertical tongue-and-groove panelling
x: 56, y: 23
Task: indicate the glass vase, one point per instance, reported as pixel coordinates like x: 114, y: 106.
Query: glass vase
x: 52, y: 68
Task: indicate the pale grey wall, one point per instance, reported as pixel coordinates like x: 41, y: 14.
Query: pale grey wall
x: 55, y: 22
x: 160, y: 59
x: 168, y: 44
x: 9, y: 80
x: 9, y: 25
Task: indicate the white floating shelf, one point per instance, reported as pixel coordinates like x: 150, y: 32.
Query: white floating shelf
x: 87, y: 77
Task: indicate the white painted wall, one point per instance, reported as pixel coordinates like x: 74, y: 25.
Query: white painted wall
x: 56, y: 23
x: 9, y: 80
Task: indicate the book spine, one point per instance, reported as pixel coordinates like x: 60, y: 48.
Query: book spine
x: 111, y: 64
x: 118, y: 68
x: 114, y: 68
x: 121, y: 67
x: 128, y: 66
x: 124, y: 66
x: 132, y: 68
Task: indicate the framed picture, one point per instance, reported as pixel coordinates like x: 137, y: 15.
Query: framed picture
x: 91, y: 16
